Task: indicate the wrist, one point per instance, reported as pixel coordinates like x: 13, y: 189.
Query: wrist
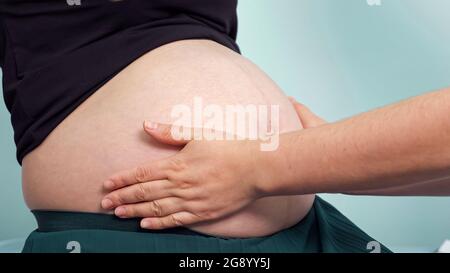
x: 279, y: 171
x: 253, y: 168
x: 268, y: 169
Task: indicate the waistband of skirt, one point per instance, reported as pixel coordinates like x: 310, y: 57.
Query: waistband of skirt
x: 52, y: 221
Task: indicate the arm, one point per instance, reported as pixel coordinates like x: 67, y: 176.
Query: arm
x: 402, y: 149
x: 399, y: 149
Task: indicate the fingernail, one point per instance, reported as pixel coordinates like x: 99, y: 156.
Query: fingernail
x: 108, y: 184
x: 120, y: 211
x: 150, y: 125
x: 107, y: 204
x: 145, y: 224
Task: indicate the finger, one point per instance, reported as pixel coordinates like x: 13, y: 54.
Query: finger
x: 157, y: 208
x: 140, y: 192
x: 307, y: 117
x: 183, y: 218
x: 165, y: 133
x: 153, y: 171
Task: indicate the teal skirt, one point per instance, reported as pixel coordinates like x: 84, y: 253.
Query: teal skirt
x: 324, y: 229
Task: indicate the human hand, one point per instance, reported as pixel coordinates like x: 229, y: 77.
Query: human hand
x: 204, y: 181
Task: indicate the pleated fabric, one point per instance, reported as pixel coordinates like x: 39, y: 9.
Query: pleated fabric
x: 324, y: 229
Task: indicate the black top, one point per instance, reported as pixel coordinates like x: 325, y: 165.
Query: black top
x: 56, y: 53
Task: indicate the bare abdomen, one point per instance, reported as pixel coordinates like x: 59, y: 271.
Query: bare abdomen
x: 104, y: 134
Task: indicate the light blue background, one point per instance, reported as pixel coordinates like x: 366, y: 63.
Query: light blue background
x: 340, y: 57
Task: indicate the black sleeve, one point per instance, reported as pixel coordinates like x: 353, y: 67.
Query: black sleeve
x: 2, y: 43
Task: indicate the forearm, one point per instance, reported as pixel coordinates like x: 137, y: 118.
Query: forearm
x: 389, y: 148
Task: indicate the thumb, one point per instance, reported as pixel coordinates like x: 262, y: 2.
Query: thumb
x: 164, y: 133
x: 307, y: 117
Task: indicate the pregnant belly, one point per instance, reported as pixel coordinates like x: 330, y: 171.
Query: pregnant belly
x: 104, y: 134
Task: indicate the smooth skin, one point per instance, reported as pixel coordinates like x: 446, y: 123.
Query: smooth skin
x: 400, y: 149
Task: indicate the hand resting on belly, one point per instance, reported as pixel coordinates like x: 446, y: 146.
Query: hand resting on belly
x: 104, y: 134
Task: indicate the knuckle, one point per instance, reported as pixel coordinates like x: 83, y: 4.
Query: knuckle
x: 190, y: 192
x: 209, y: 215
x: 155, y: 208
x: 175, y: 220
x: 117, y: 198
x: 206, y: 212
x: 140, y: 192
x: 183, y: 184
x: 141, y: 173
x: 166, y: 132
x: 177, y: 164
